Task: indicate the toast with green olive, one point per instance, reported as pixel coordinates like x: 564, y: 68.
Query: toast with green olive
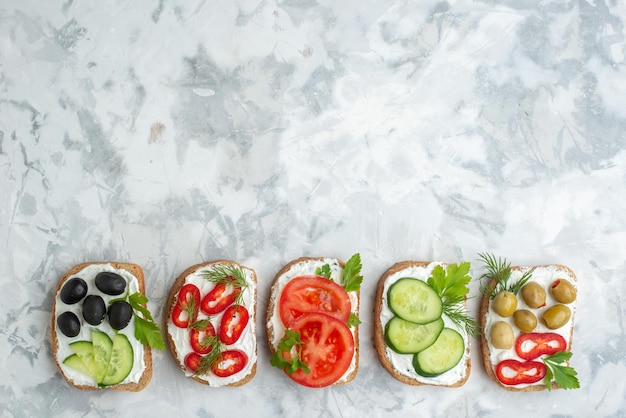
x: 102, y: 332
x: 421, y: 327
x: 527, y: 322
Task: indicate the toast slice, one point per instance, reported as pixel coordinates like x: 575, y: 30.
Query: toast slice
x: 400, y: 366
x: 544, y: 276
x: 308, y: 266
x: 141, y: 372
x: 178, y: 338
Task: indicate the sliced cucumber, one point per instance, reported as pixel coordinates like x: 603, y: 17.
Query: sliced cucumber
x: 442, y: 356
x: 406, y: 337
x: 84, y: 350
x: 102, y: 347
x: 74, y: 362
x: 121, y: 362
x: 415, y: 301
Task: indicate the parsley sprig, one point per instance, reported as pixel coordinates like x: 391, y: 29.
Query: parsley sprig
x: 499, y: 270
x: 146, y: 330
x: 452, y: 286
x: 292, y: 344
x: 228, y: 275
x: 563, y: 375
x: 351, y: 278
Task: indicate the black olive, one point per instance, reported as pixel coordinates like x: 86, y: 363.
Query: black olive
x: 120, y: 313
x: 69, y: 324
x: 73, y: 290
x: 94, y: 309
x: 110, y: 283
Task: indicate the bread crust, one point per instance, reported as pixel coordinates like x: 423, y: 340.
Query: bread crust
x: 274, y: 294
x: 171, y: 300
x: 484, y: 344
x: 379, y: 331
x: 136, y: 271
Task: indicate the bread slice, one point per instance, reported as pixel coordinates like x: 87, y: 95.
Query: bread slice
x: 60, y: 342
x: 175, y: 334
x: 403, y: 371
x: 545, y: 275
x: 307, y: 266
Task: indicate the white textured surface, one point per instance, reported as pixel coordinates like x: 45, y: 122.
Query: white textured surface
x: 169, y: 133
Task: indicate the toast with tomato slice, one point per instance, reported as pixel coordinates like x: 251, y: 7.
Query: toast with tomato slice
x: 98, y: 311
x: 316, y: 296
x: 418, y: 340
x: 527, y: 322
x: 210, y: 319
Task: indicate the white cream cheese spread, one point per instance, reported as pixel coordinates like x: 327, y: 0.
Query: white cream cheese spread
x: 88, y: 274
x: 308, y: 267
x: 403, y: 363
x: 245, y: 343
x: 543, y: 276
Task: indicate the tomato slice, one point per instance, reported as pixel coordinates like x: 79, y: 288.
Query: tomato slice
x: 192, y: 361
x: 197, y: 337
x: 233, y: 323
x: 219, y: 298
x: 231, y: 362
x: 308, y: 294
x: 512, y: 372
x: 327, y: 349
x: 187, y: 301
x: 534, y: 344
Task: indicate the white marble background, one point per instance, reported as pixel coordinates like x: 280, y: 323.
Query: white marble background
x: 168, y: 133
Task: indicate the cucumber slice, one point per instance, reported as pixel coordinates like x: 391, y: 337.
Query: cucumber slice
x: 442, y: 356
x: 121, y: 362
x: 406, y: 337
x: 102, y: 347
x: 415, y: 301
x: 84, y: 351
x: 74, y: 362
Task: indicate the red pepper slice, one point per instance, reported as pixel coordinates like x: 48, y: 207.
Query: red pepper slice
x: 512, y: 372
x: 219, y: 298
x: 188, y: 300
x: 233, y: 323
x: 197, y: 338
x: 534, y: 344
x: 231, y: 362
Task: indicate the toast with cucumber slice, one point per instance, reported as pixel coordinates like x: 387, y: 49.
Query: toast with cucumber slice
x: 421, y: 327
x: 102, y: 332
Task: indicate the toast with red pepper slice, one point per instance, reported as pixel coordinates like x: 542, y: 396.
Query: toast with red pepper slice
x: 522, y: 341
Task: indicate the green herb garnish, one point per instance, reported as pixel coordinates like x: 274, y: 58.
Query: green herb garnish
x: 209, y: 360
x: 146, y: 330
x: 351, y: 278
x: 452, y: 286
x: 354, y: 320
x: 287, y: 344
x: 323, y: 271
x: 227, y: 275
x: 564, y: 376
x: 499, y: 270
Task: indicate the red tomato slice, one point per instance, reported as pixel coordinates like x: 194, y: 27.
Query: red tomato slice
x: 534, y: 344
x: 231, y: 362
x: 309, y: 294
x: 192, y: 361
x: 196, y: 337
x: 512, y: 372
x: 327, y: 349
x: 233, y: 323
x: 219, y: 298
x: 188, y: 297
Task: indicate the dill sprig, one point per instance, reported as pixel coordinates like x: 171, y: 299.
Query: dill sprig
x: 228, y: 275
x: 457, y: 313
x: 497, y: 275
x: 209, y: 360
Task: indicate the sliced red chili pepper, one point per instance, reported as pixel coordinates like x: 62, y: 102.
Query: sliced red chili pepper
x: 198, y: 338
x: 512, y: 372
x: 233, y: 323
x: 231, y: 362
x: 187, y: 302
x: 534, y: 344
x: 219, y: 298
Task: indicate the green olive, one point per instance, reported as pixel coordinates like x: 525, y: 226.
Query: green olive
x: 502, y: 335
x: 525, y: 320
x: 534, y: 295
x: 556, y: 316
x: 505, y: 303
x: 563, y: 291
